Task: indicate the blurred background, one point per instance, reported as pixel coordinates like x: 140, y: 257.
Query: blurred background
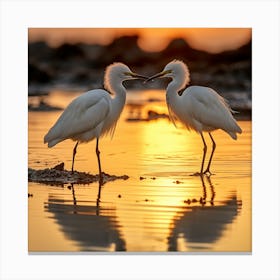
x: 75, y: 58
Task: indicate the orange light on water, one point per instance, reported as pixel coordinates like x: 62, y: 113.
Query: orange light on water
x: 154, y: 213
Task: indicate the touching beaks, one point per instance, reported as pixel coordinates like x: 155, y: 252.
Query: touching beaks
x: 136, y: 76
x: 158, y: 75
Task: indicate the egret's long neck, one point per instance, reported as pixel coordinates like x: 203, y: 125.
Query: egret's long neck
x: 172, y: 90
x: 180, y: 80
x: 118, y: 100
x: 173, y: 99
x: 174, y: 86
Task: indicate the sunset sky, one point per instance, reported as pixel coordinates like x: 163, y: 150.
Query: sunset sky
x: 150, y: 39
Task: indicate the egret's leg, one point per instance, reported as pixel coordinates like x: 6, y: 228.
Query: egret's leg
x: 73, y: 194
x: 99, y: 164
x: 204, y: 153
x: 211, y: 156
x: 74, y: 154
x: 98, y: 199
x: 203, y: 198
x: 212, y: 190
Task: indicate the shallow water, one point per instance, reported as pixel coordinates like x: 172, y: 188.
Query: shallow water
x: 160, y: 207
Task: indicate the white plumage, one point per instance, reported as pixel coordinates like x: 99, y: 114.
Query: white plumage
x: 94, y: 113
x: 199, y: 108
x: 83, y: 119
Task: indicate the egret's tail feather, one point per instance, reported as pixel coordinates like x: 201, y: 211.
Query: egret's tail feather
x: 233, y: 133
x: 49, y: 139
x: 239, y: 130
x: 53, y: 143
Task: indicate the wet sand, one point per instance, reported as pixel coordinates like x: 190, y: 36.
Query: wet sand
x: 57, y: 175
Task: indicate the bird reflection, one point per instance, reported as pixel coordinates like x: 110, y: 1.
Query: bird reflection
x: 95, y: 228
x: 73, y: 194
x: 213, y: 193
x: 203, y: 225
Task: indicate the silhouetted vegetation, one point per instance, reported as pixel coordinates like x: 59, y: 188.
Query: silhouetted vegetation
x: 81, y: 66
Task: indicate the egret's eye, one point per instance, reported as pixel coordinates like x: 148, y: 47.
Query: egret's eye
x: 127, y: 74
x: 168, y: 72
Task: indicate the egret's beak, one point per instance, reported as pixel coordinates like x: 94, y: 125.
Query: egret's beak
x: 136, y: 76
x: 158, y: 75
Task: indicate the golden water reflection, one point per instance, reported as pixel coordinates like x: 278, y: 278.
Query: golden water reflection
x: 202, y: 225
x: 92, y: 227
x: 161, y: 207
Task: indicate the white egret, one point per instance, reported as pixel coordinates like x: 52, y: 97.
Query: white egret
x: 94, y: 113
x: 199, y: 108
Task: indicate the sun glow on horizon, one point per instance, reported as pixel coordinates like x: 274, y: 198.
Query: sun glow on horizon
x: 150, y: 39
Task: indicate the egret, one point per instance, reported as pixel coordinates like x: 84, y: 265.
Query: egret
x: 199, y: 108
x: 94, y: 113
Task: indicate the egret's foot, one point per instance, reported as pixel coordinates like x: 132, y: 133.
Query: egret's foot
x: 207, y: 173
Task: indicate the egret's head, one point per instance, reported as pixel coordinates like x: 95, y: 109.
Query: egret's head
x: 118, y: 72
x: 176, y: 70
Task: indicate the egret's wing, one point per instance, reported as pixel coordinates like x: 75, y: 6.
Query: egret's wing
x: 83, y: 114
x: 209, y: 109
